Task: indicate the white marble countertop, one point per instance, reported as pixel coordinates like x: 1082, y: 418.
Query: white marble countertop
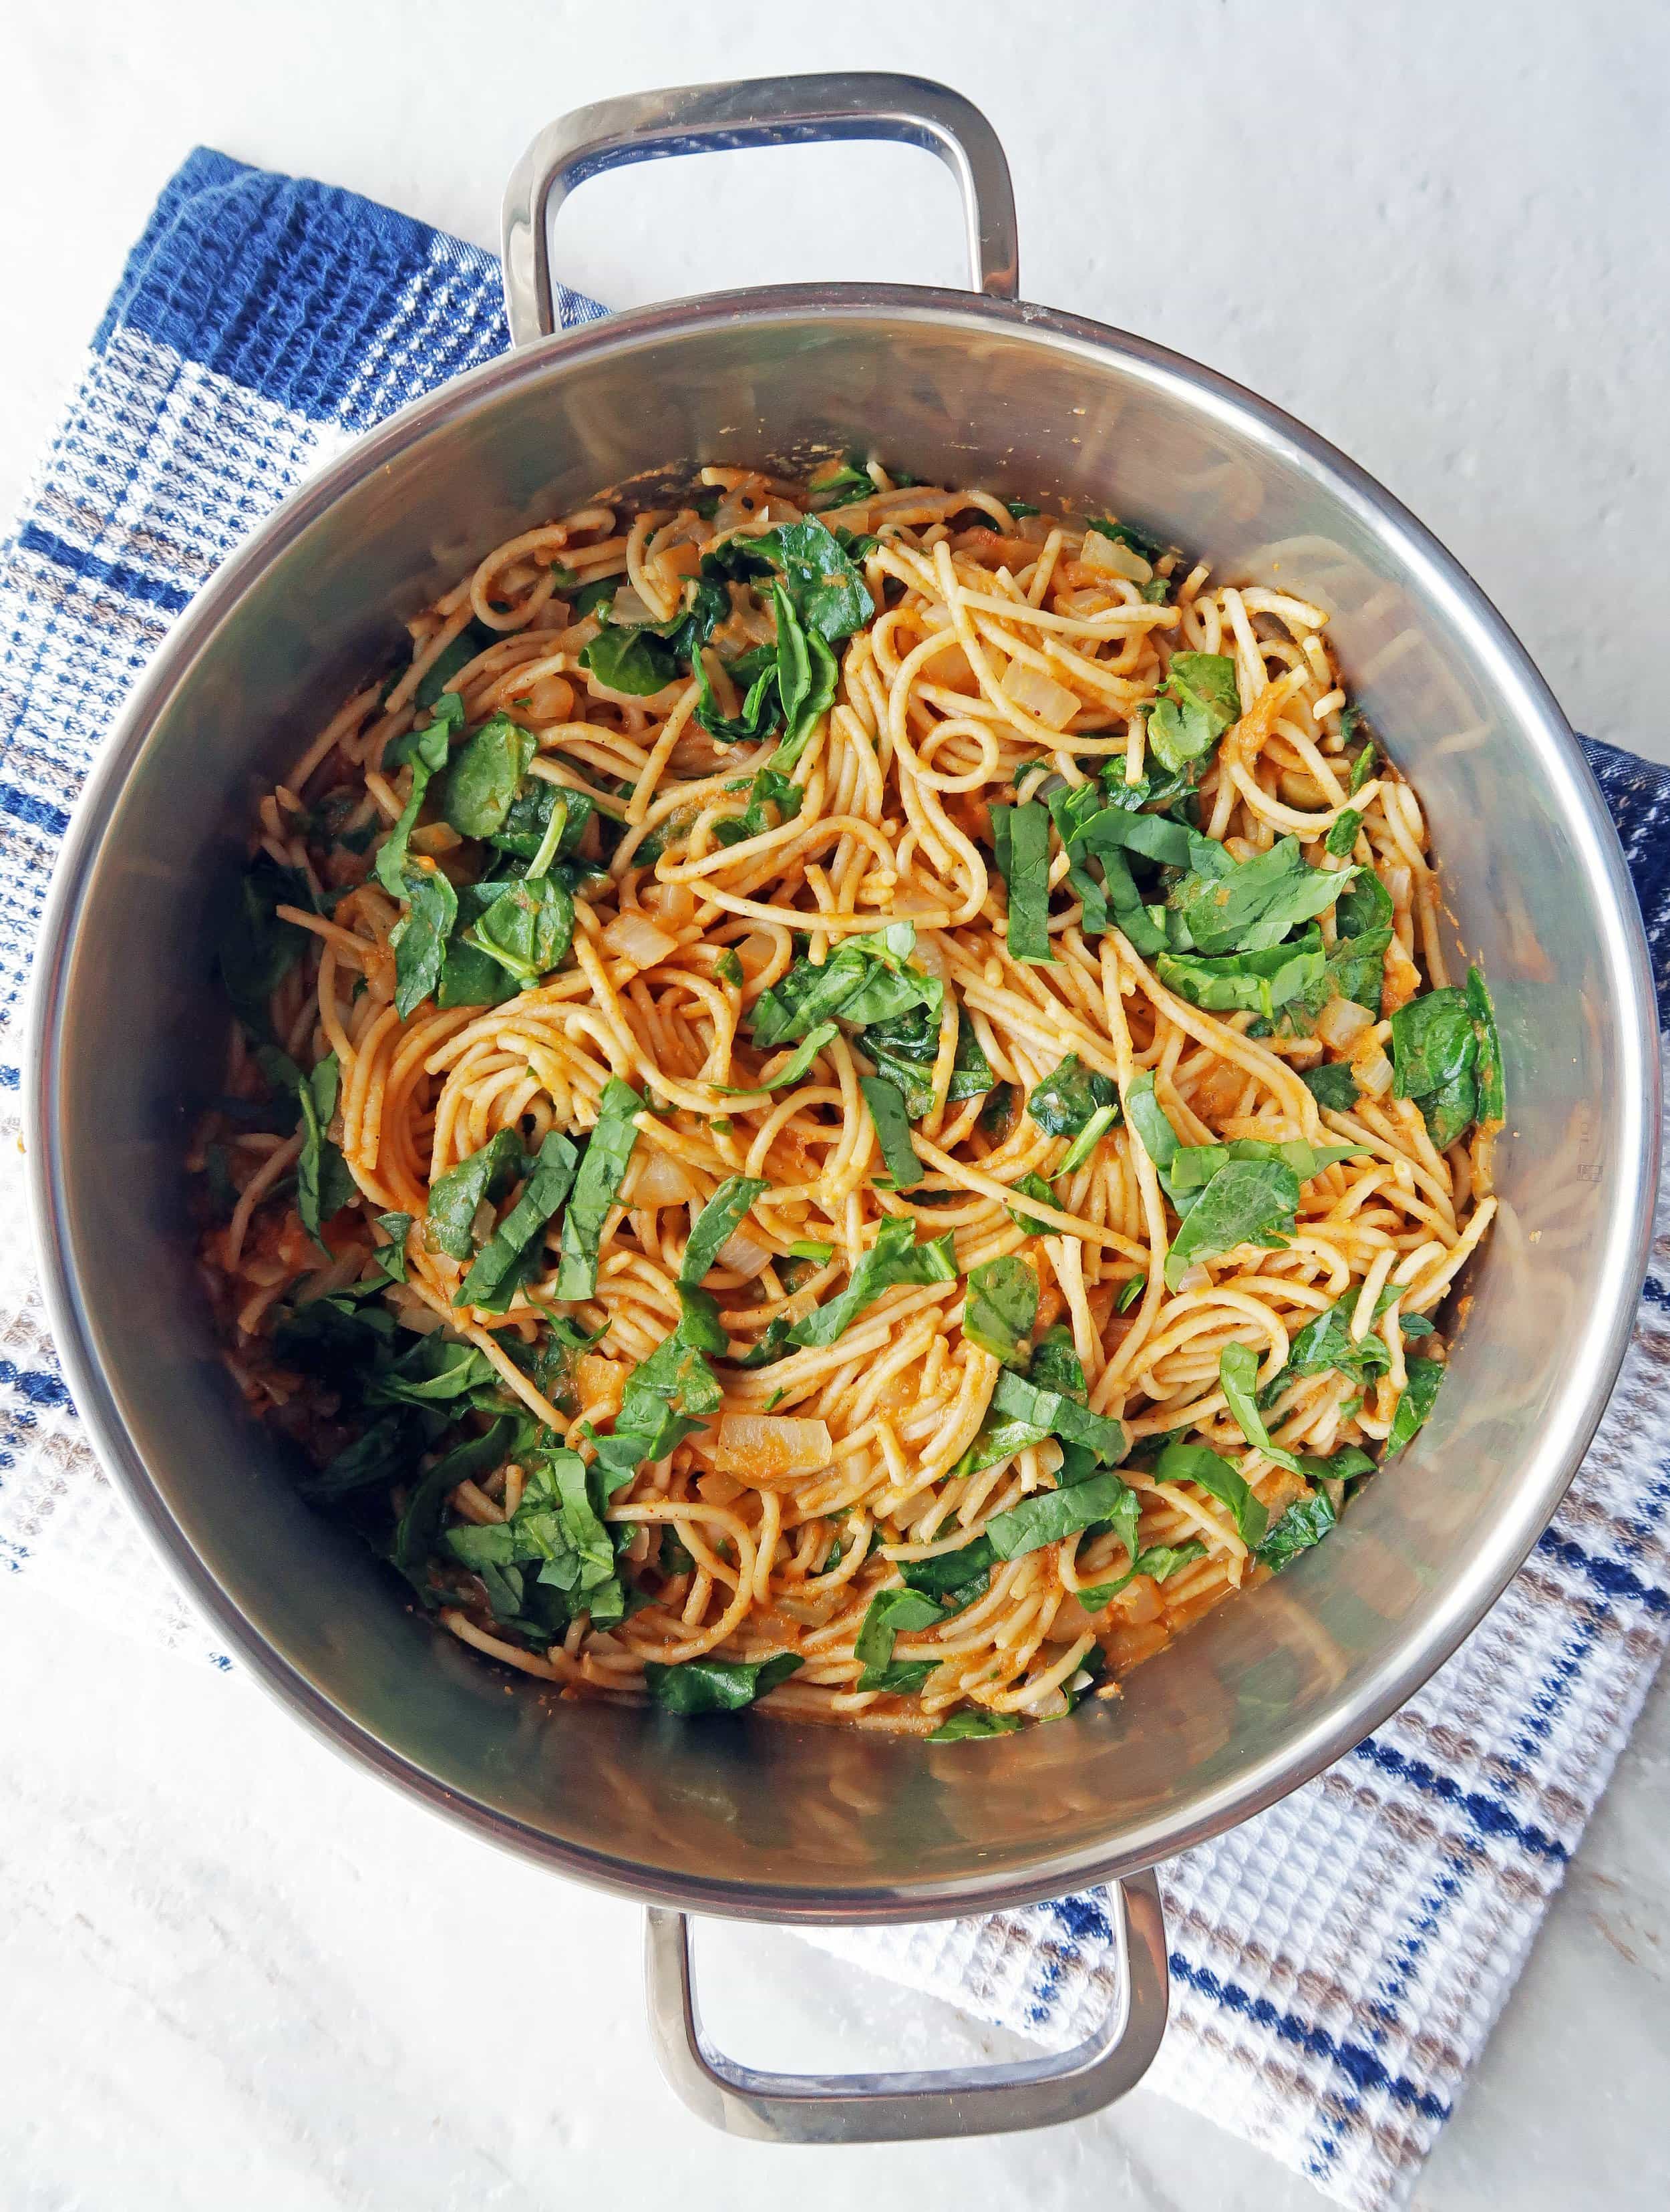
x: 235, y: 1970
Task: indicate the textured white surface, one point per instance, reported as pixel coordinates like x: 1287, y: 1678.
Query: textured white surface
x: 1453, y: 275
x: 1435, y: 232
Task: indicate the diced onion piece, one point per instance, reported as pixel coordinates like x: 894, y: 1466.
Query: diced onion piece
x: 655, y: 1179
x: 1400, y: 884
x: 635, y: 938
x: 1373, y: 1071
x: 753, y: 1445
x: 601, y: 1384
x: 1341, y: 1022
x: 1041, y: 694
x: 1299, y: 788
x: 744, y: 1257
x: 629, y: 607
x: 672, y: 903
x: 1099, y: 552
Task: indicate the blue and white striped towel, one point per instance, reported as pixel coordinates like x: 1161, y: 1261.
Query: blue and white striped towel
x: 1338, y: 1962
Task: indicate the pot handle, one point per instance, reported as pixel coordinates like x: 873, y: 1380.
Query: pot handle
x: 767, y: 111
x: 914, y: 2107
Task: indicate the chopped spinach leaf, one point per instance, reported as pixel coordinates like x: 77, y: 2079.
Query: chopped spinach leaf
x: 1183, y: 1462
x: 891, y: 1613
x: 1048, y: 1516
x: 456, y: 1196
x: 419, y: 1529
x: 419, y: 938
x: 716, y: 1685
x: 1021, y: 836
x: 596, y: 1187
x: 429, y: 756
x: 806, y: 674
x: 514, y: 1253
x: 970, y: 1722
x: 1305, y: 1523
x: 1198, y: 703
x: 485, y: 775
x: 953, y: 1579
x: 866, y: 981
x: 887, y: 1111
x: 1237, y: 1376
x: 1152, y: 1124
x: 1002, y: 1305
x: 717, y: 1222
x: 528, y: 928
x: 258, y: 947
x: 1249, y: 906
x: 1253, y: 982
x: 1332, y: 1086
x: 894, y: 1257
x: 1064, y: 1102
x: 1492, y: 1101
x: 827, y: 592
x: 1246, y: 1202
x: 1415, y: 1404
x: 792, y: 1069
x: 1032, y: 1185
x: 1162, y: 1561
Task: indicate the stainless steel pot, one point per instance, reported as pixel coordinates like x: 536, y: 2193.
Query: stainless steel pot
x: 755, y: 1819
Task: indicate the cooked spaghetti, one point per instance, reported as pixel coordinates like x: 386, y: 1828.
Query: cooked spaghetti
x: 844, y: 1093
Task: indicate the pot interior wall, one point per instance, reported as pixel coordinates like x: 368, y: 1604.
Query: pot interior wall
x: 799, y: 1817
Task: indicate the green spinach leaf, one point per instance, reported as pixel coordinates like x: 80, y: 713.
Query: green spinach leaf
x: 429, y: 756
x: 866, y: 981
x: 419, y: 938
x: 793, y: 1068
x: 1492, y: 1100
x: 891, y: 1613
x: 1415, y: 1404
x: 323, y: 1185
x: 1247, y: 1202
x: 970, y: 1722
x: 894, y: 1257
x: 514, y: 1253
x: 1332, y: 1086
x: 1050, y: 1515
x: 1237, y: 1376
x: 717, y: 1222
x: 892, y: 1124
x: 485, y: 777
x: 456, y: 1197
x: 1162, y: 1561
x: 596, y: 1187
x: 528, y: 928
x: 1001, y: 1306
x: 1198, y: 703
x: 716, y: 1685
x: 1022, y: 839
x: 1305, y: 1523
x: 1184, y: 1462
x: 1254, y: 982
x: 258, y: 947
x: 1249, y: 906
x: 1064, y: 1100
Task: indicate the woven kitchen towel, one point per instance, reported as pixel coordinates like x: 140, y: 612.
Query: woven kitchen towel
x: 1337, y: 1963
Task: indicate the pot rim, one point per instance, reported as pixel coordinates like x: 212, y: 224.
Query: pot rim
x: 1597, y: 1356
